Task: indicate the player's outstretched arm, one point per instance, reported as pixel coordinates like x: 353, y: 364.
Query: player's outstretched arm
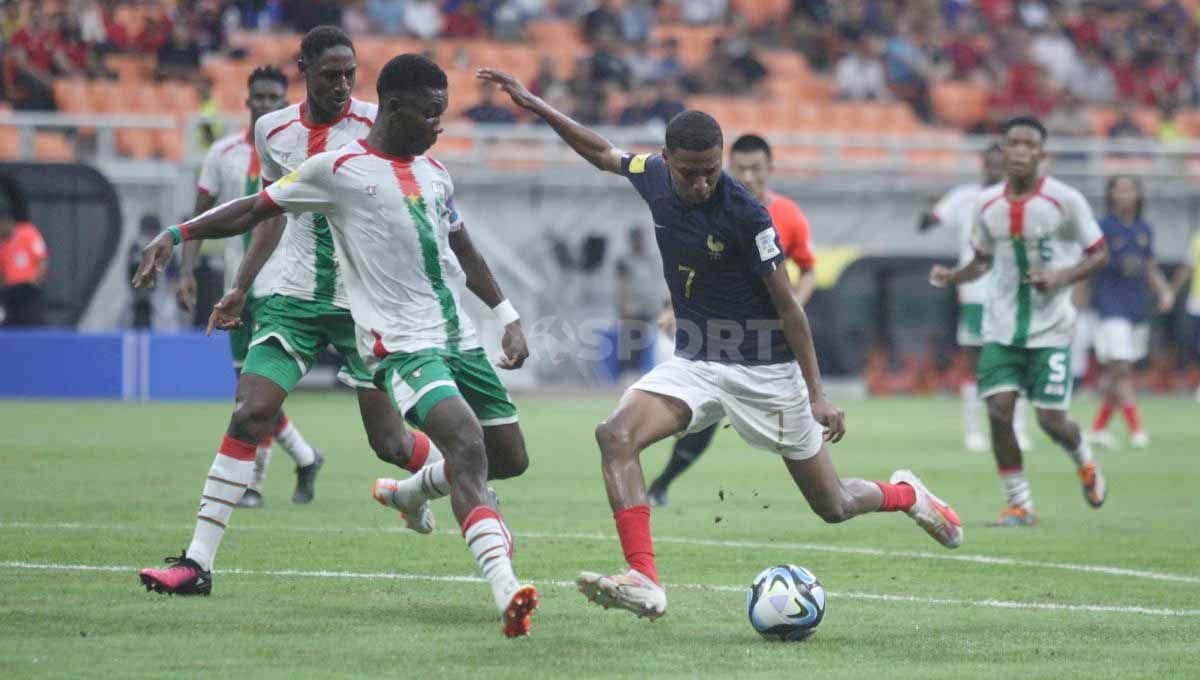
x: 586, y: 142
x: 233, y: 218
x: 481, y: 282
x: 799, y: 338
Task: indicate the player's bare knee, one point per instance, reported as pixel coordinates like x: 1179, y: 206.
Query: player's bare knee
x: 513, y: 463
x: 1000, y: 413
x: 253, y: 418
x: 832, y: 513
x: 1051, y: 422
x: 613, y: 438
x: 389, y: 448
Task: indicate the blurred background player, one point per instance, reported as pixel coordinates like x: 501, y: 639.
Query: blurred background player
x: 1179, y: 280
x: 721, y: 260
x: 232, y: 170
x: 1028, y: 230
x: 308, y: 311
x: 956, y: 209
x: 750, y: 163
x: 24, y: 260
x: 1119, y: 296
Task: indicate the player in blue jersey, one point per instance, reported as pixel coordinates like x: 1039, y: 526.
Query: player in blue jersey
x: 1120, y: 297
x: 743, y: 349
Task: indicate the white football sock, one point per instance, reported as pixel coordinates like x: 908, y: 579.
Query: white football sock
x: 295, y: 444
x: 1016, y: 489
x: 1082, y: 455
x: 972, y: 409
x: 1020, y: 417
x: 227, y: 481
x: 262, y: 459
x: 429, y: 483
x: 487, y: 537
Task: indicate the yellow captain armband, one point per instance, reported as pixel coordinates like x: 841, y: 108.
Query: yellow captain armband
x: 637, y: 164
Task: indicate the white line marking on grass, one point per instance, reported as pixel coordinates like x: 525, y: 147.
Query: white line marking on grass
x: 380, y: 576
x: 814, y: 547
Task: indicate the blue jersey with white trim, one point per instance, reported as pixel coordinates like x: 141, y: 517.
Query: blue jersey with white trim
x: 715, y: 255
x: 1120, y: 290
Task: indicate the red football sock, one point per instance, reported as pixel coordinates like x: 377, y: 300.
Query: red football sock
x: 282, y: 424
x: 633, y: 527
x: 236, y: 448
x: 420, y: 452
x: 1102, y: 416
x: 896, y: 497
x: 266, y: 442
x: 1131, y: 417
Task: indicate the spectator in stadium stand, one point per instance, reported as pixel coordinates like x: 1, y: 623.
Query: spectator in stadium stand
x: 1167, y: 81
x: 1125, y: 74
x: 963, y: 47
x: 1092, y: 79
x: 669, y: 66
x: 208, y: 30
x: 605, y: 18
x: 1054, y: 51
x: 464, y: 19
x: 387, y: 16
x: 24, y: 259
x: 1170, y: 132
x: 746, y: 68
x: 1070, y: 117
x: 487, y: 111
x: 606, y: 63
x: 74, y: 57
x: 156, y: 32
x: 668, y: 102
x: 637, y: 21
x: 1125, y: 127
x: 908, y: 70
x: 699, y: 12
x: 179, y: 58
x: 354, y: 18
x: 859, y: 72
x: 152, y: 308
x: 422, y: 19
x: 637, y: 111
x: 29, y: 64
x: 546, y: 78
x: 305, y: 15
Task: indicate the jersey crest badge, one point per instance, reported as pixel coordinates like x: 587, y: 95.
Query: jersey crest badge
x: 370, y: 189
x: 715, y: 248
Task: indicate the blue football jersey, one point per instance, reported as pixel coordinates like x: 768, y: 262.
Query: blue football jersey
x: 715, y: 255
x: 1120, y: 289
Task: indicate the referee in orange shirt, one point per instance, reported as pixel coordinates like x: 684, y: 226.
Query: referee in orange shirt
x: 750, y: 163
x: 23, y: 260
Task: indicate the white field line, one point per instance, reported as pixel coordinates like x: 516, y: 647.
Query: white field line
x: 762, y: 545
x: 293, y: 573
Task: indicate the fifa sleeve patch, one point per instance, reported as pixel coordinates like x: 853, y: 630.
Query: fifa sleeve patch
x: 637, y: 164
x: 765, y: 240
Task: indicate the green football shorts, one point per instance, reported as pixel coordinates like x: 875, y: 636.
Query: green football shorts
x: 417, y: 381
x: 1043, y: 373
x: 290, y: 333
x: 239, y: 338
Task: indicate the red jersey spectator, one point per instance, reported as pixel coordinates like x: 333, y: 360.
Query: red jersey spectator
x: 464, y: 22
x: 23, y: 263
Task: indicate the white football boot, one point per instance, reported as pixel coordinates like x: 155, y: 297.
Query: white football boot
x: 1139, y: 439
x: 930, y: 512
x: 631, y: 590
x: 417, y: 516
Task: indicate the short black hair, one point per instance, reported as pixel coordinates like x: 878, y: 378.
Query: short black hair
x: 268, y: 73
x: 693, y: 130
x: 407, y: 72
x: 750, y: 143
x: 321, y: 38
x: 1112, y: 183
x: 1024, y: 121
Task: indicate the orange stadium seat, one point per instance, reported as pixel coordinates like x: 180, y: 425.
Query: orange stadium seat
x: 107, y: 97
x: 129, y: 68
x: 959, y: 104
x: 547, y: 34
x: 761, y: 12
x: 937, y: 160
x: 1103, y: 118
x: 10, y: 143
x: 53, y: 147
x: 72, y: 95
x: 137, y: 144
x: 274, y: 48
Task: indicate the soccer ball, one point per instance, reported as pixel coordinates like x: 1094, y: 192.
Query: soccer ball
x: 785, y: 603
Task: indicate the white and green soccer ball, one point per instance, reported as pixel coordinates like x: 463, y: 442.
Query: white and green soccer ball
x: 785, y: 603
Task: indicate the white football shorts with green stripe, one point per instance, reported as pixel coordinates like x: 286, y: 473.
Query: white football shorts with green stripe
x: 1044, y: 230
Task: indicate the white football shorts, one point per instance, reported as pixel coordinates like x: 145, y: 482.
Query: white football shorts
x: 1120, y: 339
x: 766, y: 404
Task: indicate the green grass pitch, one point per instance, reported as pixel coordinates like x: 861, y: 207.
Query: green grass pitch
x: 335, y: 589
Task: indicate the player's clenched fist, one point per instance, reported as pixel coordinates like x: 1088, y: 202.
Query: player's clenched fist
x: 521, y: 96
x: 227, y: 313
x: 939, y: 276
x: 832, y: 419
x: 516, y: 348
x: 155, y: 256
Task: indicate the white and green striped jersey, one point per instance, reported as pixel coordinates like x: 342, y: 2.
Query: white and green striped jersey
x: 1044, y: 230
x: 285, y: 139
x: 956, y: 210
x: 231, y: 171
x: 391, y: 219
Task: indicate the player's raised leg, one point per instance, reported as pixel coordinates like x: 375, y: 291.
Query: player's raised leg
x: 394, y: 443
x: 258, y: 402
x: 1066, y: 433
x: 686, y: 451
x: 641, y: 419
